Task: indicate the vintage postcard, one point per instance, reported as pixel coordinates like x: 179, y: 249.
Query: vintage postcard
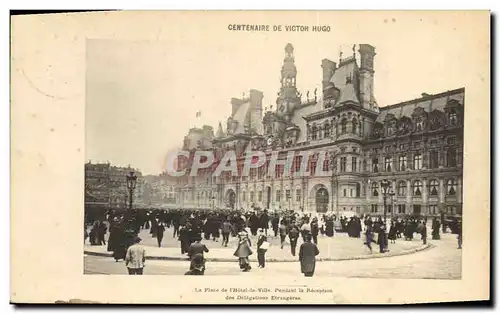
x: 260, y: 157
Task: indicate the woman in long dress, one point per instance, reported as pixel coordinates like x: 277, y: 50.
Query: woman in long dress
x: 244, y: 250
x: 307, y: 257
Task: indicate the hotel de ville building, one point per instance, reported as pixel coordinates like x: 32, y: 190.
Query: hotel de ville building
x: 414, y: 148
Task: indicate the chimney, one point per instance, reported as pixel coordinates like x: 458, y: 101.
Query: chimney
x: 367, y: 55
x: 328, y: 71
x: 256, y: 110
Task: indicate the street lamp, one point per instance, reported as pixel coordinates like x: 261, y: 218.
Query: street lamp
x: 131, y: 182
x: 386, y: 191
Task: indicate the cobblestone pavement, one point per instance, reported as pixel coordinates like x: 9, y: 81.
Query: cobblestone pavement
x: 339, y: 246
x: 442, y: 261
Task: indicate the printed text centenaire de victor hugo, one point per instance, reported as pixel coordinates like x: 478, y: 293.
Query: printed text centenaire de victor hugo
x: 278, y: 28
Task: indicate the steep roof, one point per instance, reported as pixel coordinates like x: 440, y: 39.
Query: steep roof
x: 428, y: 102
x: 348, y: 94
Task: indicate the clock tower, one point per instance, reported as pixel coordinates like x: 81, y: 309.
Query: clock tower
x: 288, y: 96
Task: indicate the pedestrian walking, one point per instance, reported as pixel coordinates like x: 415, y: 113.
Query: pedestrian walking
x: 293, y: 235
x: 315, y: 230
x: 135, y: 258
x: 244, y: 250
x: 307, y: 257
x: 262, y: 246
x: 160, y: 230
x: 369, y: 237
x: 226, y: 228
x: 283, y: 233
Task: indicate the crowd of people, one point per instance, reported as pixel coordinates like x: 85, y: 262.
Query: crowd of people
x: 190, y: 227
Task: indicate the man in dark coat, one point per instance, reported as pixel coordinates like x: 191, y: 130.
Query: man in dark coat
x: 307, y: 257
x: 195, y: 249
x: 101, y: 233
x: 160, y: 229
x: 275, y: 224
x: 293, y: 235
x: 435, y: 229
x: 283, y: 233
x: 315, y: 230
x: 184, y: 239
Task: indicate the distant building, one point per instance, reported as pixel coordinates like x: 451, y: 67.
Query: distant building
x: 106, y: 187
x: 160, y: 191
x: 417, y: 145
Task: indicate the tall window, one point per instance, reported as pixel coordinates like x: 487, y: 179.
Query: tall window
x: 345, y: 192
x: 433, y: 210
x: 244, y: 196
x: 374, y: 189
x: 375, y: 164
x: 278, y: 195
x: 354, y: 163
x: 343, y: 126
x: 279, y: 170
x: 374, y: 208
x: 388, y: 164
x: 433, y: 160
x: 354, y: 125
x: 343, y: 164
x: 402, y: 188
x: 364, y: 165
x: 259, y: 196
x: 298, y: 195
x: 401, y: 208
x: 327, y: 130
x: 433, y: 187
x: 417, y: 161
x: 402, y: 163
x: 312, y: 167
x: 417, y: 188
x: 451, y: 157
x: 451, y: 187
x: 326, y: 164
x: 453, y: 118
x: 288, y: 195
x: 298, y: 162
x: 314, y: 134
x: 358, y: 190
x: 252, y: 196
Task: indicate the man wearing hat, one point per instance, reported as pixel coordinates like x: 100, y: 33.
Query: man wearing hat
x: 135, y: 258
x: 194, y: 249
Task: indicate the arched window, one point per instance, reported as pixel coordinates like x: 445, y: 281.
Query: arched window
x: 402, y: 188
x: 433, y: 187
x: 451, y: 187
x: 417, y: 188
x: 314, y: 131
x: 354, y: 125
x: 327, y: 130
x: 374, y: 189
x: 343, y: 126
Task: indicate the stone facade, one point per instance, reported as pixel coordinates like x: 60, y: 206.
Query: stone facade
x: 417, y: 145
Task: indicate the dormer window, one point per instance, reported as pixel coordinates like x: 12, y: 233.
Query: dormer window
x: 420, y: 124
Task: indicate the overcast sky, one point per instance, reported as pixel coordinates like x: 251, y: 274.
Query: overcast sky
x: 142, y: 96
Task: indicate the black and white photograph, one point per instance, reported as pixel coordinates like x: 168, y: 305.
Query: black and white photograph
x: 276, y: 156
x: 313, y: 182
